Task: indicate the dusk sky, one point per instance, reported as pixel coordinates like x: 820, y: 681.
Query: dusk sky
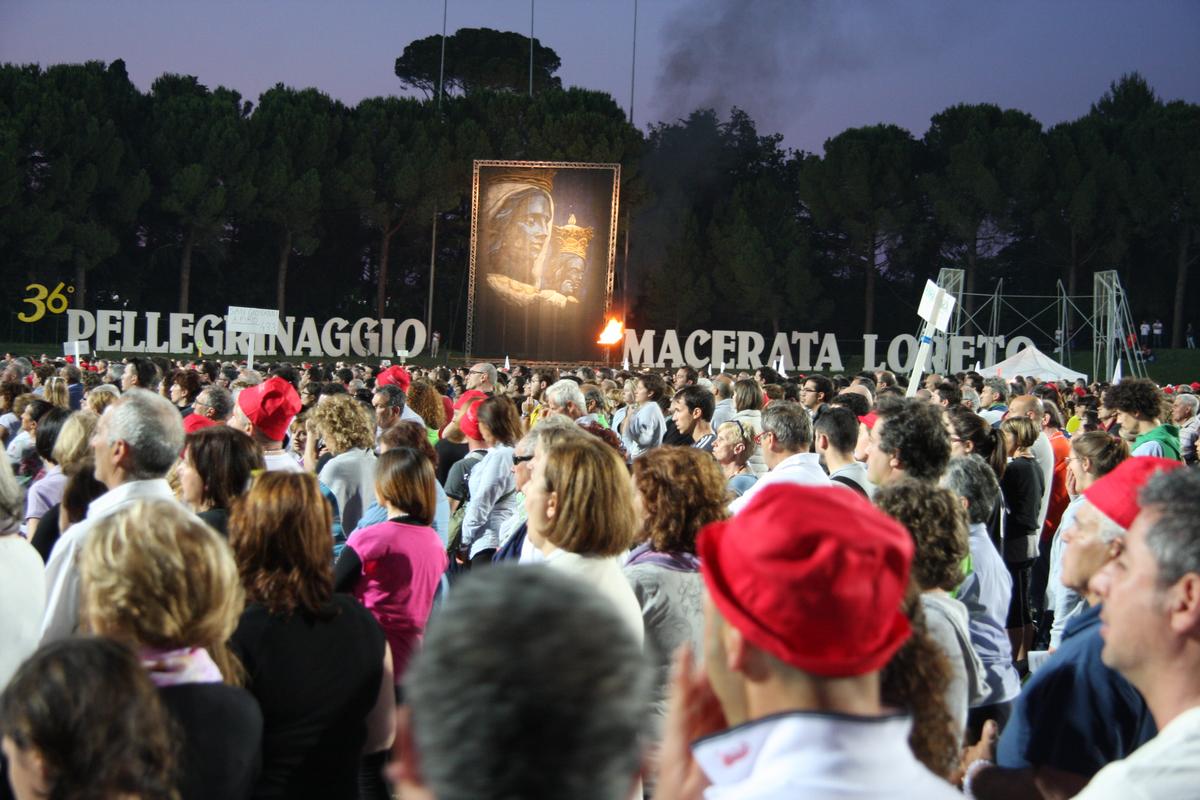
x: 805, y: 69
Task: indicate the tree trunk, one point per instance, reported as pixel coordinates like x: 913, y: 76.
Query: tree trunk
x: 79, y: 298
x: 385, y: 248
x: 1181, y: 270
x: 281, y: 280
x: 869, y: 287
x: 968, y: 300
x: 185, y: 268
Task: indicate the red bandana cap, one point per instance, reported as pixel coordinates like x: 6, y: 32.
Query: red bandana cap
x: 1196, y: 385
x: 1080, y: 391
x: 270, y: 405
x: 815, y: 576
x: 1115, y: 494
x: 469, y: 424
x: 195, y: 422
x: 394, y: 375
x: 869, y: 420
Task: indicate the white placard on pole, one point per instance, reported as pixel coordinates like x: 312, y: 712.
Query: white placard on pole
x: 936, y: 308
x: 245, y: 319
x: 76, y: 349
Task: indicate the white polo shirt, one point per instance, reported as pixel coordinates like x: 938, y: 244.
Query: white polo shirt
x: 821, y: 755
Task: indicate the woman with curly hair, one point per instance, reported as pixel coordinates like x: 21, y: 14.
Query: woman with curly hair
x: 346, y: 428
x: 82, y: 719
x: 317, y: 661
x: 424, y: 399
x: 938, y: 524
x: 159, y: 580
x: 679, y: 491
x: 915, y: 680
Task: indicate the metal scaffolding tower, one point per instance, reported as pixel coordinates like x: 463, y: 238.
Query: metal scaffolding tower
x: 1115, y: 337
x: 1050, y: 320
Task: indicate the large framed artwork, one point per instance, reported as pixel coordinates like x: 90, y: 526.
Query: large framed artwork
x: 543, y: 244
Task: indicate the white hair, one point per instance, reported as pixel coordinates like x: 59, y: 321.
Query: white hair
x: 150, y: 424
x: 564, y: 393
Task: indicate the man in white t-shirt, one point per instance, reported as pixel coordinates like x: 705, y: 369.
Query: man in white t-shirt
x: 1151, y: 631
x: 136, y: 442
x: 786, y: 442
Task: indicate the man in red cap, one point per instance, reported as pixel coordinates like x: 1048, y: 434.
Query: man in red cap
x: 802, y: 611
x: 213, y: 406
x: 1151, y: 632
x: 264, y: 413
x: 1075, y: 714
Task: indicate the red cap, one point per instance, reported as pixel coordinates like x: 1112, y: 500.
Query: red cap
x: 194, y: 422
x: 270, y: 405
x: 1080, y: 391
x: 812, y: 575
x: 869, y: 419
x: 1169, y: 390
x: 468, y: 396
x: 1196, y: 385
x: 1115, y: 494
x: 469, y: 424
x: 395, y: 375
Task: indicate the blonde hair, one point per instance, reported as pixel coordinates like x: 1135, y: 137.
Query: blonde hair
x: 595, y: 509
x: 344, y: 423
x: 1023, y: 431
x: 157, y: 575
x: 72, y: 444
x: 740, y: 432
x: 54, y: 391
x: 12, y: 500
x: 101, y: 397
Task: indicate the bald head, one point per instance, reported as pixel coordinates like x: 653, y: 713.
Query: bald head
x: 1025, y: 406
x: 858, y: 388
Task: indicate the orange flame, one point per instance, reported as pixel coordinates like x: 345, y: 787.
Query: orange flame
x: 613, y: 332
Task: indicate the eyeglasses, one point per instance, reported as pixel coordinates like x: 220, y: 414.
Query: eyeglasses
x: 476, y: 372
x: 759, y: 437
x: 520, y: 459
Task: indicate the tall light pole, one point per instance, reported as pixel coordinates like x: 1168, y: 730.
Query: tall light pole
x: 433, y: 244
x: 531, y: 48
x: 625, y: 260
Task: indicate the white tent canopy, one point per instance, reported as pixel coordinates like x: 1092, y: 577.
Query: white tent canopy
x: 1032, y: 362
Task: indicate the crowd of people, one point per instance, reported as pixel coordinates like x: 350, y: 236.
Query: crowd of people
x: 368, y: 581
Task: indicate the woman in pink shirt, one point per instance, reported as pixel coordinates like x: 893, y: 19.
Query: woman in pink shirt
x: 394, y: 568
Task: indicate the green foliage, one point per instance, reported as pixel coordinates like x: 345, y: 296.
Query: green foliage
x: 321, y: 209
x: 478, y: 59
x: 864, y: 190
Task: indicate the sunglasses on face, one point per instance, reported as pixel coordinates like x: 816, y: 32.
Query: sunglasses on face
x: 520, y: 459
